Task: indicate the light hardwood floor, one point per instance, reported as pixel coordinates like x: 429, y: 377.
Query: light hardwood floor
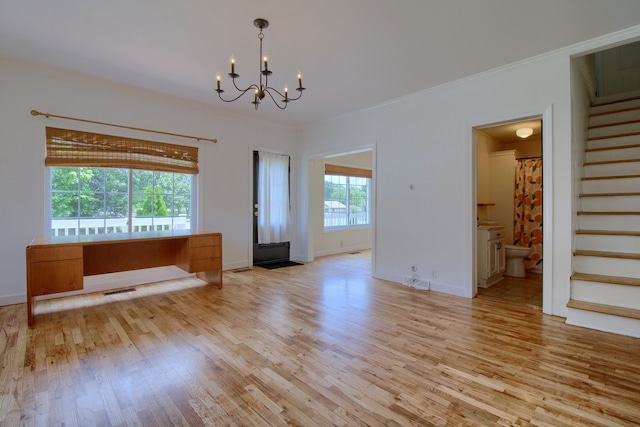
x: 517, y: 290
x: 320, y: 344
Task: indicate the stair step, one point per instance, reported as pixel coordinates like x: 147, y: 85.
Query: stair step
x: 592, y: 263
x: 587, y: 178
x: 609, y: 162
x: 619, y: 153
x: 622, y: 122
x: 603, y: 254
x: 611, y: 184
x: 609, y: 194
x: 607, y: 242
x: 610, y: 203
x: 624, y: 223
x: 613, y: 103
x: 600, y: 278
x: 600, y: 135
x: 618, y: 141
x: 608, y: 213
x: 604, y: 309
x: 608, y: 131
x: 616, y: 111
x: 614, y: 147
x: 609, y: 233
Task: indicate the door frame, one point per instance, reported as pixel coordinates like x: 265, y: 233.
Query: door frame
x: 305, y: 238
x: 547, y: 199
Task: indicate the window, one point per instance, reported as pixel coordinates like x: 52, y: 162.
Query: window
x: 86, y: 200
x: 346, y: 198
x: 103, y: 184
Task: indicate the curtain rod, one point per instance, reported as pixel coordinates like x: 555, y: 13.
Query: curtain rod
x: 47, y: 115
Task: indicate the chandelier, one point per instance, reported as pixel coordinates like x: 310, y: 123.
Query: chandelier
x: 262, y: 88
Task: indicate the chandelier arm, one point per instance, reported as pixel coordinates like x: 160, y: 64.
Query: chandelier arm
x: 282, y: 95
x: 233, y: 80
x: 243, y: 91
x: 268, y: 91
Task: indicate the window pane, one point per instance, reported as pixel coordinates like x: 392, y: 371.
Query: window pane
x: 346, y: 201
x: 91, y: 180
x: 64, y: 205
x: 91, y: 205
x: 96, y: 200
x: 64, y: 179
x: 117, y: 180
x: 164, y: 182
x: 117, y: 205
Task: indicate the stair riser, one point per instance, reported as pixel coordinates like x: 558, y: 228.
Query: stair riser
x: 614, y: 142
x: 596, y: 242
x: 609, y: 222
x: 620, y: 185
x: 619, y: 154
x: 607, y: 266
x: 604, y: 322
x: 613, y: 118
x: 611, y: 204
x: 614, y: 130
x: 613, y: 169
x: 634, y: 103
x: 606, y: 293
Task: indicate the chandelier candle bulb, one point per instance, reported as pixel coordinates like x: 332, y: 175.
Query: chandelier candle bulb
x: 265, y: 64
x: 233, y: 66
x: 218, y: 79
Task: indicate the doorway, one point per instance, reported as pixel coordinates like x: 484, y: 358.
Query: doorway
x: 509, y: 199
x: 320, y: 238
x: 271, y: 206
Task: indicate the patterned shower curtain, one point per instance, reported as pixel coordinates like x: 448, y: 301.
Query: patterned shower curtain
x: 528, y: 212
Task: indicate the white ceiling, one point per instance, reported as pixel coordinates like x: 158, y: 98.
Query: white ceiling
x: 353, y: 54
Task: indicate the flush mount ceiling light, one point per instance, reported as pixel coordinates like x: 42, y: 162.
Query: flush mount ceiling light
x: 524, y: 132
x: 262, y: 88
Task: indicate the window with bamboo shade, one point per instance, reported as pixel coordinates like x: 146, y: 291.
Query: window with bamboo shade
x: 78, y: 148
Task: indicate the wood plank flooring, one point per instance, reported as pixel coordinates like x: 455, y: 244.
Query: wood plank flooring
x: 518, y: 290
x: 319, y: 344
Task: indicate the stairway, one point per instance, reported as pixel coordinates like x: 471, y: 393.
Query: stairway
x: 605, y: 285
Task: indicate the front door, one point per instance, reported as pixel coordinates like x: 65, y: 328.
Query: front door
x: 271, y: 251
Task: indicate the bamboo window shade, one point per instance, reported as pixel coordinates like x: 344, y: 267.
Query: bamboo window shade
x: 77, y: 148
x: 346, y: 171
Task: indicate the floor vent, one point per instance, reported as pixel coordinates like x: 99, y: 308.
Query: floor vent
x: 354, y: 253
x: 119, y: 291
x: 242, y: 270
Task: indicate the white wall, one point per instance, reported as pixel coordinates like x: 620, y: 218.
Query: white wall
x: 343, y: 240
x: 224, y: 184
x: 426, y: 140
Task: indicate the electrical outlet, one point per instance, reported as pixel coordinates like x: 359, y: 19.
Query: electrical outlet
x: 434, y: 273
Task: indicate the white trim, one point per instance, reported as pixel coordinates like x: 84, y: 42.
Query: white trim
x: 547, y: 214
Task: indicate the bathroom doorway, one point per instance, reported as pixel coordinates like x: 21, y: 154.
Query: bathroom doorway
x: 509, y: 201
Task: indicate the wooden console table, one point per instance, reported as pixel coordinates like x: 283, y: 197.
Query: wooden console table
x: 58, y: 264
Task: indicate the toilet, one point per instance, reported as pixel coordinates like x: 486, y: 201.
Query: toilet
x: 515, y: 256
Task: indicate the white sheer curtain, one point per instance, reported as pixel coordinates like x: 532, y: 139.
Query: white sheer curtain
x: 273, y: 198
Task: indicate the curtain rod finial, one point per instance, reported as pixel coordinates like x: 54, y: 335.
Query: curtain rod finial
x: 35, y: 113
